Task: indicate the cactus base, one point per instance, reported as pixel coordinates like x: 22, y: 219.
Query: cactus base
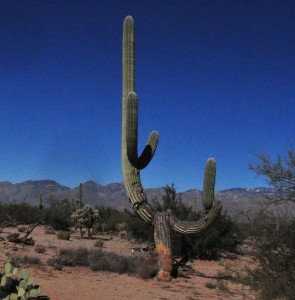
x: 163, y: 246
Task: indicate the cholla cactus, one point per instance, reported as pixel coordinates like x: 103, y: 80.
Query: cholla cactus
x: 85, y: 217
x: 132, y: 163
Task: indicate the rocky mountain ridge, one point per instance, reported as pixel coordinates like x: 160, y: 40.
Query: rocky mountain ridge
x: 114, y: 195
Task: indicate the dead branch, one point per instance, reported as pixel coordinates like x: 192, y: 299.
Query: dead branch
x: 26, y: 240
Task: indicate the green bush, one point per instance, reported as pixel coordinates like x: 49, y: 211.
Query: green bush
x: 98, y: 243
x: 274, y: 250
x: 110, y: 218
x: 40, y: 249
x: 26, y: 260
x: 21, y: 213
x: 58, y: 215
x: 49, y: 230
x: 221, y: 236
x: 21, y: 228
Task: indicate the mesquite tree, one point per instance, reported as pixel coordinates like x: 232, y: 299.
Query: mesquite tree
x: 132, y: 164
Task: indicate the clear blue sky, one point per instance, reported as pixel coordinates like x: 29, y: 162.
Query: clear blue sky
x: 214, y: 78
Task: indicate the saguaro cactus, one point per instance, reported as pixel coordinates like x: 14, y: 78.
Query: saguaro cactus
x: 132, y: 164
x: 80, y: 196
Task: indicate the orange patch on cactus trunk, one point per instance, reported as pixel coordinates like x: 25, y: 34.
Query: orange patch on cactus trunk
x: 164, y: 262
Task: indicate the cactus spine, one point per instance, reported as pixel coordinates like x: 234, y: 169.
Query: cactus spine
x: 132, y: 164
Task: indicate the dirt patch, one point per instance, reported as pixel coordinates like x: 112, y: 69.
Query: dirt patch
x: 82, y: 283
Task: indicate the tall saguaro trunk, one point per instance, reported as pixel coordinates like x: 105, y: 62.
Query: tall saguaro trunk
x: 132, y: 163
x: 163, y: 245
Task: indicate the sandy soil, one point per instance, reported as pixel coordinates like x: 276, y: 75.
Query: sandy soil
x: 82, y: 283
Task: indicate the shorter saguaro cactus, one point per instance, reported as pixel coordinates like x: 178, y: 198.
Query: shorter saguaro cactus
x: 80, y: 197
x: 40, y: 204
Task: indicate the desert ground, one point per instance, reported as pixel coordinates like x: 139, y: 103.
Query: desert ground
x: 82, y: 283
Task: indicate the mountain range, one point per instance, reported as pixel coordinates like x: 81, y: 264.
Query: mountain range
x: 113, y: 194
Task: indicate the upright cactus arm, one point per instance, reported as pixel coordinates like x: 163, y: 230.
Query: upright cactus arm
x: 209, y: 183
x: 212, y: 208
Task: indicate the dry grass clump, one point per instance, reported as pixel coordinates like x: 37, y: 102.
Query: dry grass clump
x: 98, y: 260
x: 98, y: 243
x: 63, y: 235
x: 39, y: 249
x: 21, y: 228
x: 25, y: 260
x: 49, y: 230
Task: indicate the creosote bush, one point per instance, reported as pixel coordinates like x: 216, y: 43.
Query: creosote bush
x: 98, y: 260
x: 274, y: 253
x: 21, y: 228
x: 25, y: 260
x: 49, y: 230
x: 63, y: 235
x: 40, y: 249
x: 98, y: 243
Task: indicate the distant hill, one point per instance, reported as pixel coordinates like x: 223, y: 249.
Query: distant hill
x: 114, y: 195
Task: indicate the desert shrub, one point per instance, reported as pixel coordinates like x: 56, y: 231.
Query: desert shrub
x: 147, y: 267
x: 39, y: 249
x: 21, y: 213
x: 56, y: 263
x: 26, y: 260
x: 274, y: 239
x: 109, y: 261
x: 138, y: 229
x: 63, y: 235
x: 210, y: 285
x: 221, y: 236
x: 10, y: 237
x: 21, y: 228
x: 49, y: 230
x: 98, y: 243
x: 57, y: 215
x: 99, y: 260
x: 111, y: 219
x: 74, y: 257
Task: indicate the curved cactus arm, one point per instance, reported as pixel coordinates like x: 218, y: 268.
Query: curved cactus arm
x: 188, y: 227
x: 149, y: 150
x: 132, y: 135
x: 212, y: 208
